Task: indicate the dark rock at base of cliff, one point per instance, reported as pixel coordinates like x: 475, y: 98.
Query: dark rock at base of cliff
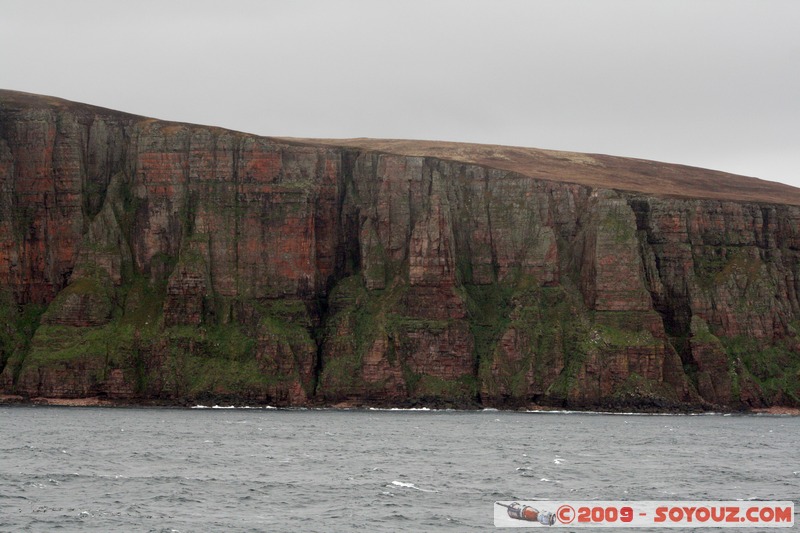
x: 143, y: 260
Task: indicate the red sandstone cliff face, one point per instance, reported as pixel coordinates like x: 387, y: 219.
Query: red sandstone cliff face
x: 153, y: 260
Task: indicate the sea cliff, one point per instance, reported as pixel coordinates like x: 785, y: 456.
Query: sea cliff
x: 144, y: 260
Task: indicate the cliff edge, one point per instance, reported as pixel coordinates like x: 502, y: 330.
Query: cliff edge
x: 144, y: 260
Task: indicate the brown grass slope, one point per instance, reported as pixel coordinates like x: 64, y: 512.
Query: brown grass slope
x: 593, y: 170
x: 19, y: 101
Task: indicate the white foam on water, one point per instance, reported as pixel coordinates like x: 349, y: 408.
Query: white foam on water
x: 549, y: 412
x: 569, y: 412
x: 410, y: 486
x: 232, y: 407
x: 557, y: 461
x: 402, y: 409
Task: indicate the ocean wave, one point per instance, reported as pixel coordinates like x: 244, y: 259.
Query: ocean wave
x: 406, y: 485
x: 232, y: 407
x: 402, y: 409
x: 616, y: 413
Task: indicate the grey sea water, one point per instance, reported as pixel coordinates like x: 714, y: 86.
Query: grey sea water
x: 96, y: 469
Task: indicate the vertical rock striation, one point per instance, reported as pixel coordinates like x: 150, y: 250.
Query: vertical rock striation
x: 154, y: 260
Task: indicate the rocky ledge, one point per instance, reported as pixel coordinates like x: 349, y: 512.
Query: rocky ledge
x: 150, y: 261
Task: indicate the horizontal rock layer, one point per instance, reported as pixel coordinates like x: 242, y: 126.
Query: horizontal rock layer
x: 142, y: 259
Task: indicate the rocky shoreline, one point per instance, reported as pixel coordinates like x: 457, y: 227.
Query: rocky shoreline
x: 94, y: 401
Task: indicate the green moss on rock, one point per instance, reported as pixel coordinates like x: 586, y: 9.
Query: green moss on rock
x: 774, y: 368
x: 463, y: 390
x: 358, y: 317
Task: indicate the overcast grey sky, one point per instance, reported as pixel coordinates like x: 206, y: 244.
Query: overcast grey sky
x: 711, y: 83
